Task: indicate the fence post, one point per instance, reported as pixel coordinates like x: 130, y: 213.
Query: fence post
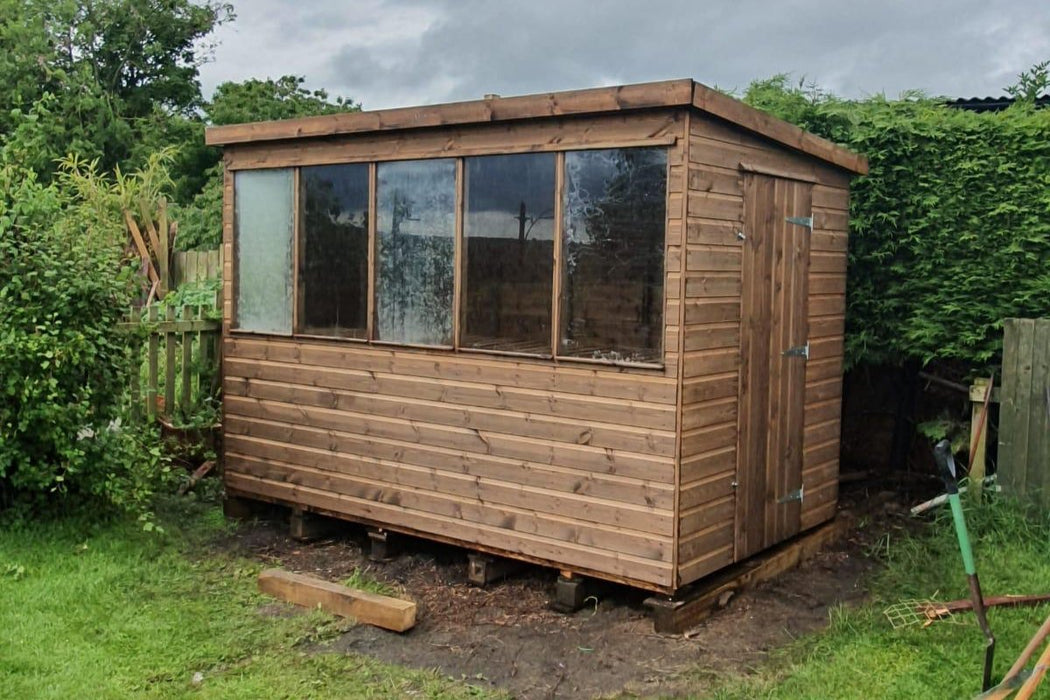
x: 136, y: 368
x: 169, y: 363
x: 154, y: 351
x: 187, y: 360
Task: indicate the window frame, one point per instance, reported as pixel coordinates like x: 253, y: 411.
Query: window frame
x: 458, y: 263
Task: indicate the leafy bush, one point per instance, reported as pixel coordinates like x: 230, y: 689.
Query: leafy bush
x: 64, y: 288
x: 950, y: 230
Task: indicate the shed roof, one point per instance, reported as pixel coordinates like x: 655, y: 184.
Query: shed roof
x: 624, y: 98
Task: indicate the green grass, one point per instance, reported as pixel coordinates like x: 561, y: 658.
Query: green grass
x: 109, y: 611
x: 861, y: 656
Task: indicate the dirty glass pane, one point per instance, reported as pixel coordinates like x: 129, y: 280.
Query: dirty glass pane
x: 509, y: 253
x: 263, y: 215
x: 416, y: 203
x: 613, y: 250
x: 333, y: 258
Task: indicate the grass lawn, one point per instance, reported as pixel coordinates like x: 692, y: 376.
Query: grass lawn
x: 108, y: 611
x: 861, y: 656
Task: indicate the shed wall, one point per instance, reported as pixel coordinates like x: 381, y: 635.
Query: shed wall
x: 711, y: 334
x: 566, y: 464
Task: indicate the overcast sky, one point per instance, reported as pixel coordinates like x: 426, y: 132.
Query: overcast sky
x: 389, y: 53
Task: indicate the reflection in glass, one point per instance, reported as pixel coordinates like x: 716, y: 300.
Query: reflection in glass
x: 613, y: 251
x: 416, y: 203
x: 263, y: 216
x: 333, y: 258
x: 509, y: 252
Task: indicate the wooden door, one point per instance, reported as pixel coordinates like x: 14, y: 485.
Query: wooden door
x: 774, y: 350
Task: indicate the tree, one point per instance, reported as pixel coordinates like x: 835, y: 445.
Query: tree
x: 116, y: 71
x: 198, y: 171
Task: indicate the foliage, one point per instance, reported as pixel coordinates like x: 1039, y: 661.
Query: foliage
x: 91, y: 609
x: 950, y: 231
x: 199, y: 180
x: 64, y: 288
x: 860, y: 655
x: 116, y: 72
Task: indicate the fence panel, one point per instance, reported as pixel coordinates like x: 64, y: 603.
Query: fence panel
x: 180, y: 364
x: 1024, y: 417
x: 195, y: 266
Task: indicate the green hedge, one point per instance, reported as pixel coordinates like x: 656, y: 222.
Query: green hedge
x: 950, y: 230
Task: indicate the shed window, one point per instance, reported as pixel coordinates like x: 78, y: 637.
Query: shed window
x: 613, y: 253
x: 508, y: 252
x: 415, y: 250
x: 333, y: 253
x: 263, y: 215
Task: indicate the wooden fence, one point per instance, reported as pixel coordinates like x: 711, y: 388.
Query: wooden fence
x: 195, y: 266
x: 181, y: 362
x: 1024, y: 414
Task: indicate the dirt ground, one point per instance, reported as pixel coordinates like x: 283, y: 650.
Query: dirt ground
x: 505, y: 635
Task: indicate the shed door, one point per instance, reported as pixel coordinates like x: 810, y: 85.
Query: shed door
x: 773, y: 331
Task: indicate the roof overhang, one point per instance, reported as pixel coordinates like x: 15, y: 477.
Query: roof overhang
x: 624, y: 98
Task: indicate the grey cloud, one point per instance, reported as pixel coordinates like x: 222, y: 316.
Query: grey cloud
x: 395, y: 52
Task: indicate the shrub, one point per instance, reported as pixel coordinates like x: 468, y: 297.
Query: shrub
x: 64, y: 362
x: 950, y: 230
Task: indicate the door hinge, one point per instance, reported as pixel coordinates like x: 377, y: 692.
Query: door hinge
x: 806, y: 221
x: 796, y: 495
x: 798, y: 351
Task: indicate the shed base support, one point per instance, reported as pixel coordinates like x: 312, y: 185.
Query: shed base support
x: 237, y: 508
x: 697, y: 601
x: 483, y: 569
x: 382, y: 548
x: 570, y: 592
x: 305, y: 526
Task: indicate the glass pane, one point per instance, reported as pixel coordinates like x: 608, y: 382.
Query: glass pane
x: 416, y: 203
x: 613, y: 249
x: 333, y: 260
x: 263, y: 212
x: 509, y: 254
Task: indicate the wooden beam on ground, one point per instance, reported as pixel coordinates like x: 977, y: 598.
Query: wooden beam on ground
x: 695, y: 603
x: 308, y: 591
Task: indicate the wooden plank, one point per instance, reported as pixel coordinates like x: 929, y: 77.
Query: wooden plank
x: 338, y: 450
x: 136, y: 370
x: 412, y: 414
x: 1018, y: 347
x: 713, y: 361
x: 554, y: 135
x: 647, y: 573
x: 584, y: 457
x: 472, y: 394
x: 310, y: 592
x: 604, y: 381
x: 711, y: 387
x: 712, y: 259
x: 576, y: 102
x: 513, y: 516
x: 1038, y: 408
x: 163, y: 249
x: 715, y: 206
x: 725, y: 107
x: 153, y: 354
x: 169, y: 365
x: 711, y: 337
x: 140, y: 246
x: 715, y: 180
x: 707, y: 232
x: 825, y: 197
x: 713, y: 284
x: 691, y: 606
x: 186, y: 342
x: 716, y: 310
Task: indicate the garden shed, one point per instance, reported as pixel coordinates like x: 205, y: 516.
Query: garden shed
x: 598, y: 330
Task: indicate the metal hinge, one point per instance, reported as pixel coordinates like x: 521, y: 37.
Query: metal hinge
x: 806, y: 221
x: 796, y: 495
x: 798, y: 351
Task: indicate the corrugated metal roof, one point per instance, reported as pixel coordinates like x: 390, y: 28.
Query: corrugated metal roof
x: 991, y: 104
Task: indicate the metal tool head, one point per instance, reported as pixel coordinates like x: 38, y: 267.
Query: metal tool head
x: 942, y: 454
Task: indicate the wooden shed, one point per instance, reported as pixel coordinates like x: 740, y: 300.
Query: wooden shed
x: 598, y: 330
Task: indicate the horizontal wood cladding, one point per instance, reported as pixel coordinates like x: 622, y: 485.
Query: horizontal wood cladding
x: 718, y: 155
x: 606, y: 131
x: 555, y: 455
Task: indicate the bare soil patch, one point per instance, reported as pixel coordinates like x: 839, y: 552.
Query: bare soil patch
x: 504, y: 636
